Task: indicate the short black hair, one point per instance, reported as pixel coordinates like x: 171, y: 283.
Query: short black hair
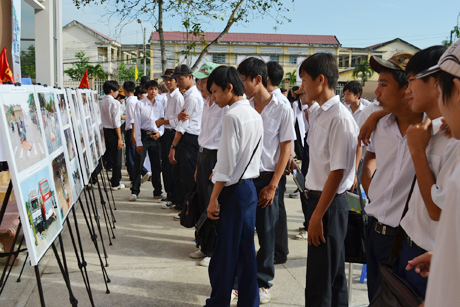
x: 321, y: 64
x: 109, y: 86
x: 283, y: 90
x: 355, y: 87
x: 253, y: 67
x: 150, y: 84
x: 224, y: 75
x: 144, y: 80
x: 275, y: 72
x: 446, y: 82
x: 399, y: 75
x: 424, y: 59
x: 129, y: 86
x: 139, y: 90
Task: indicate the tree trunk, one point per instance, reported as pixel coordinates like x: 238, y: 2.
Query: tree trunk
x: 162, y: 37
x: 231, y: 21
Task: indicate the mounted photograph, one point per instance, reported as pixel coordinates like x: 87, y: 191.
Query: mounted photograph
x: 50, y: 121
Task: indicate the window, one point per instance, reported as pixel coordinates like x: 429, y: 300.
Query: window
x: 343, y: 60
x: 218, y: 58
x: 355, y: 60
x: 293, y: 60
x: 100, y: 57
x: 275, y: 58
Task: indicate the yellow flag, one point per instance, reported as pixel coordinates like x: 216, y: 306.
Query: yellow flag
x: 136, y: 73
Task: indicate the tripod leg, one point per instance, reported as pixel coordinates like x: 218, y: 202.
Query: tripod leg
x: 39, y: 286
x: 64, y: 271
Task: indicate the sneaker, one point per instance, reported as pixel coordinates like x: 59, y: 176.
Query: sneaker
x: 121, y: 186
x: 295, y: 194
x: 197, y: 254
x: 176, y: 207
x: 264, y: 295
x: 133, y: 197
x: 234, y: 295
x: 164, y: 200
x: 302, y: 235
x: 176, y: 217
x: 160, y: 197
x: 302, y: 228
x: 146, y: 177
x: 167, y: 206
x: 205, y: 261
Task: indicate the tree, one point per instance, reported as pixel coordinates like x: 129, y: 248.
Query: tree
x: 454, y: 34
x: 363, y: 71
x: 194, y: 13
x: 81, y: 65
x: 125, y: 73
x: 28, y: 62
x: 291, y: 77
x: 96, y: 71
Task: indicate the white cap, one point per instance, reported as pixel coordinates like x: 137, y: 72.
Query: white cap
x: 449, y: 62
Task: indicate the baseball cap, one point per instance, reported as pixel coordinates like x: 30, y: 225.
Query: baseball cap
x: 168, y: 73
x: 121, y: 92
x: 449, y: 62
x: 181, y: 70
x: 205, y: 70
x: 299, y: 91
x: 397, y: 62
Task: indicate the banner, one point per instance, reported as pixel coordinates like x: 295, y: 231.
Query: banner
x: 16, y: 41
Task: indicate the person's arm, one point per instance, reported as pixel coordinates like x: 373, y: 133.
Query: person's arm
x: 137, y: 129
x: 359, y: 153
x: 172, y: 151
x: 315, y: 225
x: 418, y: 137
x: 133, y: 135
x: 421, y: 264
x: 120, y: 140
x: 213, y: 207
x: 369, y: 167
x: 267, y: 194
x: 369, y: 126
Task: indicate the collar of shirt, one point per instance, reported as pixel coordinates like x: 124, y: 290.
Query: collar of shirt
x: 436, y: 125
x: 328, y: 104
x: 360, y: 108
x: 174, y: 93
x: 273, y: 102
x: 190, y: 90
x: 239, y: 102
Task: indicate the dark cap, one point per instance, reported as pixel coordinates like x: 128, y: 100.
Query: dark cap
x: 145, y: 79
x: 397, y: 62
x: 168, y: 73
x: 449, y: 62
x: 181, y: 70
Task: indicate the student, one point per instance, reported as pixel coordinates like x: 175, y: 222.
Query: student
x: 352, y: 92
x: 276, y: 147
x: 111, y: 122
x: 174, y: 102
x: 274, y: 78
x: 389, y: 187
x: 131, y: 101
x: 332, y: 140
x: 238, y: 157
x: 444, y: 266
x: 186, y: 137
x: 147, y: 140
x: 209, y: 138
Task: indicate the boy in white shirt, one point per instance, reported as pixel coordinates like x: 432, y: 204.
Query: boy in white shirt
x: 332, y: 138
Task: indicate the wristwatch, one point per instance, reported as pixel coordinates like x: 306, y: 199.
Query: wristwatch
x: 172, y: 146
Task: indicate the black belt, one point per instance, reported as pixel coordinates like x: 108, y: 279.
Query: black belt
x: 310, y: 194
x: 383, y: 229
x: 148, y: 132
x: 207, y: 151
x: 413, y: 245
x: 265, y: 175
x: 169, y: 129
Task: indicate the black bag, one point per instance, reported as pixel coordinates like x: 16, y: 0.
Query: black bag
x: 191, y: 211
x: 394, y: 291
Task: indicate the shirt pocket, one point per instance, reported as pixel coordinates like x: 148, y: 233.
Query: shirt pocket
x: 319, y: 139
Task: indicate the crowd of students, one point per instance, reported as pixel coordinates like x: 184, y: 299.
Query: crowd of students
x: 235, y: 135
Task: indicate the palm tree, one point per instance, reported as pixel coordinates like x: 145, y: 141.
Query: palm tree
x: 291, y: 77
x: 363, y: 71
x: 96, y: 71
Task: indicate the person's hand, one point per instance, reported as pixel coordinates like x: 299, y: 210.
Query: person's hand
x: 266, y: 196
x: 194, y: 176
x: 447, y: 131
x: 120, y: 144
x: 315, y: 231
x: 155, y: 135
x: 418, y: 136
x: 213, y: 209
x: 355, y: 184
x: 183, y: 116
x: 366, y: 130
x: 140, y: 149
x: 133, y: 139
x: 421, y: 264
x: 292, y: 165
x: 171, y: 156
x: 159, y: 122
x: 210, y: 176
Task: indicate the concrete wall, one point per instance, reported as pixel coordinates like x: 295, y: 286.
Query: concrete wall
x: 393, y: 48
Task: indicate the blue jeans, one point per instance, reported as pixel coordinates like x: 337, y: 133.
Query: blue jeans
x: 130, y: 153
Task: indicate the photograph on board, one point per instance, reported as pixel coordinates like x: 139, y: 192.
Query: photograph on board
x: 90, y: 130
x: 76, y: 108
x: 61, y: 180
x: 50, y: 121
x: 85, y: 104
x: 63, y: 109
x: 69, y: 143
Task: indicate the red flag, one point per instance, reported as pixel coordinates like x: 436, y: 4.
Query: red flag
x: 84, y: 81
x: 5, y: 72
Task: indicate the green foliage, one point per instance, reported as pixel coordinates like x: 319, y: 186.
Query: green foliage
x: 125, y: 73
x: 28, y: 62
x: 454, y: 35
x: 291, y: 77
x: 81, y: 65
x: 363, y: 71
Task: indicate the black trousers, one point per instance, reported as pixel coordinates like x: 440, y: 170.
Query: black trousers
x: 184, y: 169
x: 166, y: 166
x: 281, y: 232
x: 326, y: 281
x: 111, y: 144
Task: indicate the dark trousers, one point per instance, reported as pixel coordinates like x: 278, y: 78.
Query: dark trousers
x: 130, y: 154
x: 234, y: 255
x: 153, y: 147
x: 378, y: 249
x: 111, y: 144
x: 304, y: 170
x: 166, y: 166
x: 407, y: 253
x: 266, y: 224
x: 326, y: 281
x: 281, y: 232
x: 184, y: 169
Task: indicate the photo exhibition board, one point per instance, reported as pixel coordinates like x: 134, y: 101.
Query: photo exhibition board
x: 29, y: 156
x: 98, y: 127
x: 94, y: 121
x: 89, y: 154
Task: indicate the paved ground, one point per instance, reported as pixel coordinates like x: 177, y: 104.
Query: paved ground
x: 149, y: 263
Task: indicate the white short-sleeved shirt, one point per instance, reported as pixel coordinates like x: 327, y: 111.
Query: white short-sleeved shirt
x: 442, y: 289
x: 280, y: 96
x: 174, y: 105
x: 122, y: 111
x: 367, y: 111
x: 193, y: 104
x: 395, y: 172
x: 278, y: 119
x: 242, y: 128
x: 417, y: 222
x: 357, y: 113
x: 110, y: 112
x: 299, y: 116
x: 333, y: 137
x: 131, y: 102
x: 211, y: 125
x: 145, y: 116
